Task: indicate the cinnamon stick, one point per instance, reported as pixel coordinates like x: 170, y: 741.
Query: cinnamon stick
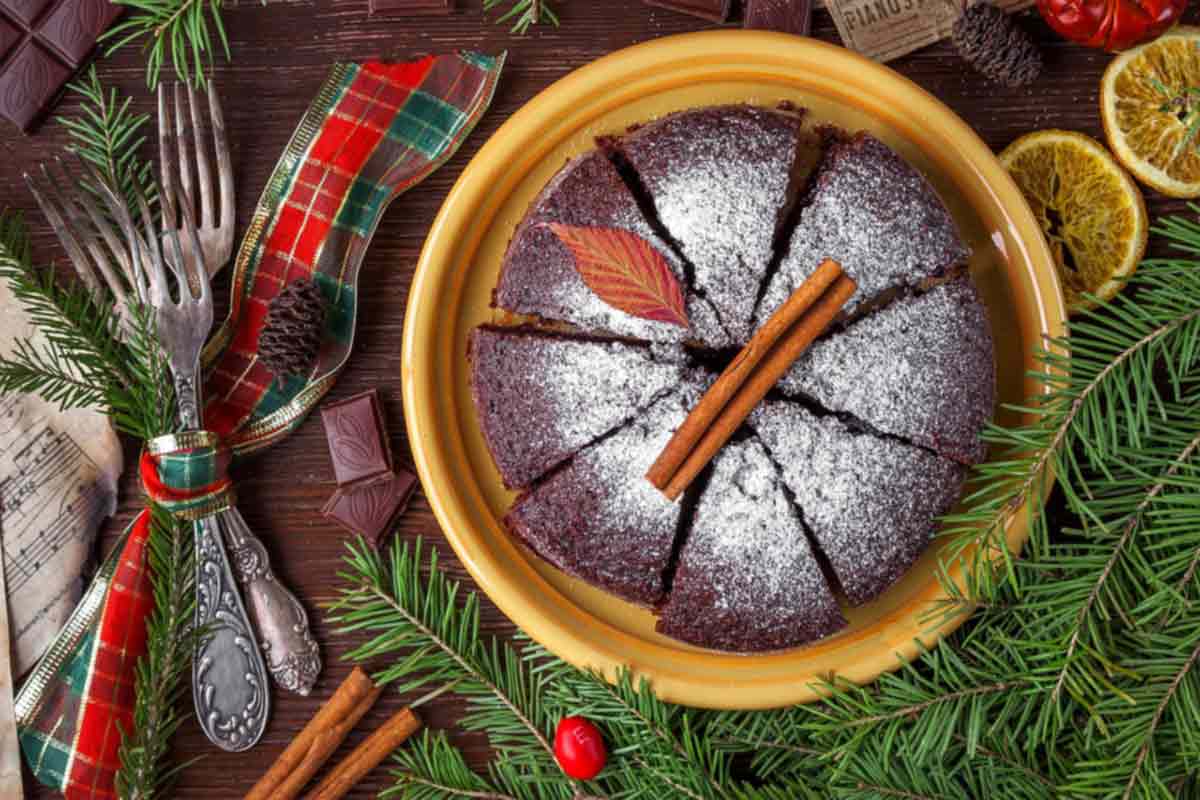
x: 368, y: 755
x: 701, y: 418
x: 759, y: 381
x: 313, y: 746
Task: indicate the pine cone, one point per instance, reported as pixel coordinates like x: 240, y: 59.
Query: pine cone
x: 291, y: 336
x: 991, y: 41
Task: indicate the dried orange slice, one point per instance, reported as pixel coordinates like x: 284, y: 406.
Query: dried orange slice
x: 1150, y: 104
x: 1091, y: 211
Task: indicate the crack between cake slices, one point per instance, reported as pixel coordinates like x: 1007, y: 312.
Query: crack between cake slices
x: 687, y: 516
x: 641, y: 195
x: 822, y: 559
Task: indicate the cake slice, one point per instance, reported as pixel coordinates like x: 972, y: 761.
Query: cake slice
x: 921, y: 368
x: 748, y: 579
x: 871, y: 503
x: 877, y: 216
x: 598, y: 518
x: 538, y: 274
x: 721, y: 181
x: 540, y: 397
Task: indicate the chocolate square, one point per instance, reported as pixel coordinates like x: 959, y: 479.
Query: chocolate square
x: 711, y: 10
x: 784, y: 16
x: 29, y: 85
x: 25, y: 10
x: 358, y: 439
x: 403, y: 7
x: 72, y: 27
x: 9, y: 36
x: 371, y: 510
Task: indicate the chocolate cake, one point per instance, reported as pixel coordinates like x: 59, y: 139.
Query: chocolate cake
x: 538, y: 274
x: 871, y: 503
x: 921, y: 368
x: 721, y: 181
x: 540, y: 397
x: 748, y: 579
x: 598, y: 518
x: 835, y: 484
x: 877, y: 216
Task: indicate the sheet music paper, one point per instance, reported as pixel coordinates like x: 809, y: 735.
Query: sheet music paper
x: 10, y: 748
x: 58, y: 481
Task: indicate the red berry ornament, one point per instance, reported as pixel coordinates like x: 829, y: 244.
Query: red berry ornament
x: 1111, y: 24
x: 579, y: 748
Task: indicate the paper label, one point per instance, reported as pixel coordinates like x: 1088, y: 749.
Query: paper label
x: 887, y: 29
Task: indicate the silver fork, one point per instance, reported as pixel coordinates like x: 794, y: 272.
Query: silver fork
x: 288, y: 645
x: 229, y: 679
x: 215, y: 233
x: 92, y: 244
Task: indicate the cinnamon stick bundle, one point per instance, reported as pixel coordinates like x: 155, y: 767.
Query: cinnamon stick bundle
x: 745, y: 382
x: 319, y: 739
x: 368, y: 755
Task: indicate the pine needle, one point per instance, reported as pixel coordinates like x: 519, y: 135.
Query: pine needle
x: 180, y: 34
x: 524, y: 13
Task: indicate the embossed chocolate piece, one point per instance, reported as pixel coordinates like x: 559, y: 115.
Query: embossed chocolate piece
x: 358, y: 440
x: 42, y: 44
x: 711, y: 10
x: 370, y: 510
x: 784, y: 16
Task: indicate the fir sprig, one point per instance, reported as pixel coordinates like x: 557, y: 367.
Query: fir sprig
x: 524, y: 13
x: 181, y: 34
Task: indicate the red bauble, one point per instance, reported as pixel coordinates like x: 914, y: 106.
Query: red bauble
x: 1111, y: 24
x: 579, y: 748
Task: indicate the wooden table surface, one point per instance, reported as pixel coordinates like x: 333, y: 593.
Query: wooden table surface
x: 281, y: 53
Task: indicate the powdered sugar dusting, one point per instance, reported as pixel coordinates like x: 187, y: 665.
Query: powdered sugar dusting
x: 922, y: 368
x: 599, y: 518
x: 877, y: 216
x: 747, y: 578
x: 871, y: 503
x: 719, y: 179
x: 539, y: 276
x: 541, y: 398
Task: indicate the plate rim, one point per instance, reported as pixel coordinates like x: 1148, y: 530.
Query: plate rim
x: 565, y: 629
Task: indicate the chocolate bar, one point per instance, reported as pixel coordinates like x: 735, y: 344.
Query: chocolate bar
x: 785, y: 16
x: 42, y: 44
x: 711, y: 10
x: 371, y: 510
x: 358, y: 439
x: 404, y: 7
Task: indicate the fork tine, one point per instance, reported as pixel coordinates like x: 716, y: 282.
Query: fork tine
x: 166, y: 151
x: 75, y: 253
x: 185, y: 141
x: 156, y: 276
x: 77, y: 217
x: 224, y: 161
x: 114, y: 242
x: 197, y: 266
x: 120, y: 210
x: 175, y: 255
x: 208, y: 216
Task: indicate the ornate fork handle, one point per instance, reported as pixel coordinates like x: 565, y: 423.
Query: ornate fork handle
x: 229, y: 678
x: 287, y: 643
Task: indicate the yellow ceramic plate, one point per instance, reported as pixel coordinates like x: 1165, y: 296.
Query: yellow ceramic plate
x: 459, y: 268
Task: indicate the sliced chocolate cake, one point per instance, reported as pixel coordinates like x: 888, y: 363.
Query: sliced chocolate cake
x: 922, y: 368
x: 598, y: 518
x: 541, y: 397
x: 721, y: 180
x: 538, y: 274
x: 877, y: 216
x: 871, y: 503
x: 747, y: 578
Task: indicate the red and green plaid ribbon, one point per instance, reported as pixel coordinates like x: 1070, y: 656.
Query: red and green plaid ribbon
x: 373, y: 131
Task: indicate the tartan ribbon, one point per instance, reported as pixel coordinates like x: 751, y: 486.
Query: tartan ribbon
x: 187, y: 474
x: 373, y: 131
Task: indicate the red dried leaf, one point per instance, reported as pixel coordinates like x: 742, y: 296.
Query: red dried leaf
x: 625, y: 271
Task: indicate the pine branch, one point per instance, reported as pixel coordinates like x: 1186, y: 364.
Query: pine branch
x: 524, y: 13
x: 181, y: 34
x: 163, y: 672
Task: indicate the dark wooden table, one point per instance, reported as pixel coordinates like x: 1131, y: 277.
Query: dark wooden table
x: 281, y: 53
